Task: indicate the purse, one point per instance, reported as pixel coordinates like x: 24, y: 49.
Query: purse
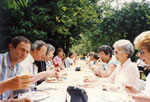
x: 77, y: 94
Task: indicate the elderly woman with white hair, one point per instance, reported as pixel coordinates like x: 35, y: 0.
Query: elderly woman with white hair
x: 127, y: 71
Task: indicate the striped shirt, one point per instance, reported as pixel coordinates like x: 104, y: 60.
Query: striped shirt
x: 6, y: 72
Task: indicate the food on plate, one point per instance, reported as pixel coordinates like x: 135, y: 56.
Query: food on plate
x: 51, y: 80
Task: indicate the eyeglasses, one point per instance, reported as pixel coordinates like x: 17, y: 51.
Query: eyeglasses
x: 116, y: 52
x: 141, y: 52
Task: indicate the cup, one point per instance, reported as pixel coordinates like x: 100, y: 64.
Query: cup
x: 28, y: 76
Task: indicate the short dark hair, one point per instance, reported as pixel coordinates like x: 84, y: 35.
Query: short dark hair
x: 95, y: 56
x: 38, y: 44
x: 59, y: 50
x: 106, y: 49
x: 18, y: 39
x: 70, y: 54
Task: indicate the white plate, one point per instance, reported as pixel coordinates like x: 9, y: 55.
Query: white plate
x: 36, y: 95
x: 53, y: 80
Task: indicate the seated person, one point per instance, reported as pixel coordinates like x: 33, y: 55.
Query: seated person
x: 49, y: 56
x: 69, y: 60
x: 107, y: 63
x: 83, y: 57
x: 19, y: 48
x: 46, y: 63
x: 37, y: 52
x: 142, y: 43
x: 127, y: 71
x: 57, y: 61
x: 95, y: 59
x: 76, y: 58
x: 90, y: 58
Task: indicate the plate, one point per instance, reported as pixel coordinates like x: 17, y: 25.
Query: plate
x: 36, y: 95
x: 53, y: 80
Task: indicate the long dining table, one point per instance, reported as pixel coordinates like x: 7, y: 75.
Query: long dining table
x: 98, y: 91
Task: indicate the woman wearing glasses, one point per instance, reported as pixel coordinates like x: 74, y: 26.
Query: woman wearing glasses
x: 127, y: 71
x: 142, y: 43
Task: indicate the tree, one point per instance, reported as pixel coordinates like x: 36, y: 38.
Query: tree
x: 59, y: 22
x: 91, y: 36
x: 127, y: 22
x: 15, y: 4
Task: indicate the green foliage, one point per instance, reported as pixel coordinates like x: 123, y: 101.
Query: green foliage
x: 76, y: 25
x: 14, y: 4
x: 58, y: 22
x: 115, y: 24
x: 127, y: 22
x: 91, y: 35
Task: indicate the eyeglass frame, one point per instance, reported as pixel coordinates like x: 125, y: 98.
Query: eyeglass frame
x: 140, y: 51
x: 117, y: 52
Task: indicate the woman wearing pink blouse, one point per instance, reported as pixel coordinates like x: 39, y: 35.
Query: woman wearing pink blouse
x: 57, y: 61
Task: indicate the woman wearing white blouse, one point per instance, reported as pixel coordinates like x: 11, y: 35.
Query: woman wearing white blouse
x: 127, y: 71
x: 142, y: 43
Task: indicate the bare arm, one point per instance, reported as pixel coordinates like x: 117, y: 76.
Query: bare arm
x: 141, y: 99
x: 43, y: 75
x: 109, y: 70
x: 3, y: 87
x: 17, y: 82
x: 4, y: 101
x: 17, y: 100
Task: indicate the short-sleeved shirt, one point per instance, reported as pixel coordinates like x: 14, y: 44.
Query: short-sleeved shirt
x: 57, y: 61
x: 68, y: 62
x: 111, y: 61
x: 6, y: 72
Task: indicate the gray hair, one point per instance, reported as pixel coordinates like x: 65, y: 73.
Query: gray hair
x: 38, y: 44
x: 125, y: 45
x: 91, y: 53
x: 50, y: 48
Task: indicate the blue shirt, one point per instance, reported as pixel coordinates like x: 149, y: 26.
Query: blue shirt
x: 6, y: 72
x: 111, y: 61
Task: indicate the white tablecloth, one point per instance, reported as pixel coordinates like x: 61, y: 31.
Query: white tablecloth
x: 57, y: 90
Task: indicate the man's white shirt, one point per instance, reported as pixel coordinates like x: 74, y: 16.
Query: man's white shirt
x: 68, y: 62
x: 27, y: 66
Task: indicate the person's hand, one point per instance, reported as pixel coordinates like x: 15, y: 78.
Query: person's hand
x: 52, y: 73
x: 130, y: 89
x: 26, y: 100
x: 62, y: 67
x: 97, y: 72
x: 20, y: 100
x: 139, y: 98
x: 19, y: 82
x: 136, y: 98
x: 99, y: 63
x: 92, y: 67
x: 57, y: 69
